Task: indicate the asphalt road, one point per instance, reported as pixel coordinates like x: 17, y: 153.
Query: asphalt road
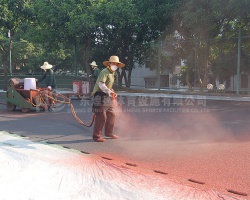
x: 204, y: 144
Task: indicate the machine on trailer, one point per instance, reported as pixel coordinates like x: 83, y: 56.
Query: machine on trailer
x: 23, y: 93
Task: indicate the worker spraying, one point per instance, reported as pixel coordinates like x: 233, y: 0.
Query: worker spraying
x: 104, y: 97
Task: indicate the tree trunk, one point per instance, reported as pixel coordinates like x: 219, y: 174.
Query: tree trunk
x: 129, y: 78
x: 206, y: 73
x: 124, y: 76
x: 187, y: 79
x: 203, y: 81
x: 86, y: 57
x: 119, y: 77
x: 130, y: 71
x: 205, y: 78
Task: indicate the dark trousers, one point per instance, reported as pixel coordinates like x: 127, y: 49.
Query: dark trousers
x: 105, y: 116
x: 104, y: 120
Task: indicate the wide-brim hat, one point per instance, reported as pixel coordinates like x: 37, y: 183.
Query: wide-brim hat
x: 93, y: 64
x: 46, y: 65
x: 114, y: 59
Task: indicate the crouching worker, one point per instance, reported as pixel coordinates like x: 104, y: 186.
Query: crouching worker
x: 104, y: 97
x: 44, y: 100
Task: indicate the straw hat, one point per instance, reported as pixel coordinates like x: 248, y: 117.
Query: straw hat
x: 93, y: 64
x: 114, y: 59
x: 46, y: 65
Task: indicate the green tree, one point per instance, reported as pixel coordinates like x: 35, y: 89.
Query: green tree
x: 12, y: 14
x: 200, y: 23
x: 68, y: 24
x: 130, y: 27
x: 104, y: 27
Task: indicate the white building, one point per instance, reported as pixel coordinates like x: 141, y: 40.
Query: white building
x: 143, y: 77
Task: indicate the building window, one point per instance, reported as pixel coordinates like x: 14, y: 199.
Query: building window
x: 150, y: 82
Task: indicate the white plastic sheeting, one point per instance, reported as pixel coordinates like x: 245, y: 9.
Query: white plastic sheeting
x: 36, y: 171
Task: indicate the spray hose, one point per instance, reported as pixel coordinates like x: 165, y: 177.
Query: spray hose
x: 56, y: 98
x: 79, y: 120
x: 66, y: 100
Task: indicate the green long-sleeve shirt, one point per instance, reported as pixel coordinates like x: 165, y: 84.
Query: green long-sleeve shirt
x: 50, y: 78
x: 106, y: 77
x: 96, y: 72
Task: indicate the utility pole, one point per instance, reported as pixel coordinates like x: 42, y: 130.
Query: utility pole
x: 195, y: 65
x: 159, y: 65
x: 238, y: 63
x: 75, y: 61
x: 10, y: 40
